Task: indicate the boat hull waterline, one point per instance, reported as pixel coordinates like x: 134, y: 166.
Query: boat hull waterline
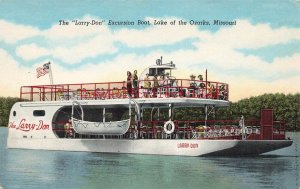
x: 155, y: 146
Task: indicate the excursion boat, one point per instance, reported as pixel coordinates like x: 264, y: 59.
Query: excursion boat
x: 140, y: 116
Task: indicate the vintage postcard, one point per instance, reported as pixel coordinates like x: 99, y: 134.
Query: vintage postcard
x: 149, y: 94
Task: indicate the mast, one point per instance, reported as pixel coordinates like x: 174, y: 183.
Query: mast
x: 206, y: 83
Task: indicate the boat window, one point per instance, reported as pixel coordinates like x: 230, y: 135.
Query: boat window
x: 14, y: 113
x: 160, y: 71
x: 151, y: 71
x: 39, y: 113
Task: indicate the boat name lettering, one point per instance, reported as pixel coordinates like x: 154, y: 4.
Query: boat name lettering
x: 24, y: 126
x: 12, y: 125
x: 187, y: 145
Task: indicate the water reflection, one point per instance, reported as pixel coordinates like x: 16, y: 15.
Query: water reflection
x: 267, y: 172
x: 55, y: 169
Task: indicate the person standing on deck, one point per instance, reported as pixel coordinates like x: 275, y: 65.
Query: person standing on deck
x: 129, y: 83
x: 192, y: 87
x: 155, y: 86
x: 68, y: 130
x: 147, y: 85
x: 135, y: 83
x: 200, y: 86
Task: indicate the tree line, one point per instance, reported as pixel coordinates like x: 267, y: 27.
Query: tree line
x: 5, y: 105
x: 286, y: 108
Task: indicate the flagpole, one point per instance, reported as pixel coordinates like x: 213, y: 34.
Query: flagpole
x: 50, y: 74
x: 206, y: 82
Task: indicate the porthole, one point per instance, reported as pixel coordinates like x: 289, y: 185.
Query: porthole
x: 39, y: 113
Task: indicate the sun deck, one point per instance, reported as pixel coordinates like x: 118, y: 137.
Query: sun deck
x: 173, y: 88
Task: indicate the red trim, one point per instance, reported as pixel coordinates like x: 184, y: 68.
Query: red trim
x: 111, y: 90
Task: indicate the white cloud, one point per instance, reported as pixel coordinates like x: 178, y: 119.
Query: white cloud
x: 71, y: 43
x: 31, y: 51
x: 101, y: 44
x: 13, y: 76
x: 250, y: 36
x: 12, y: 33
x: 286, y: 64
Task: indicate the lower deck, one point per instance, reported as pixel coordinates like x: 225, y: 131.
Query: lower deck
x: 215, y: 130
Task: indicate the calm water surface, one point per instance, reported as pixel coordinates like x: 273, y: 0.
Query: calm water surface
x: 55, y: 169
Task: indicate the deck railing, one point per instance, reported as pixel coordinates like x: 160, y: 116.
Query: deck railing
x: 189, y: 129
x: 214, y: 129
x: 175, y: 88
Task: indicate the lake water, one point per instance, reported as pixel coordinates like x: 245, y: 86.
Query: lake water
x: 56, y: 169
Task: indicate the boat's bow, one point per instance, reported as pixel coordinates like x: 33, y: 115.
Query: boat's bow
x: 252, y: 147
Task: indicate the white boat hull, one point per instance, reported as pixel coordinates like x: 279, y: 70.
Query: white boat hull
x: 154, y: 146
x: 36, y: 132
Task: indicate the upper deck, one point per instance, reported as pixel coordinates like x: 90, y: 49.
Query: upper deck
x: 172, y: 88
x: 155, y: 82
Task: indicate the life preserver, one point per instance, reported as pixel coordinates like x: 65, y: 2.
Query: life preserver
x: 167, y: 126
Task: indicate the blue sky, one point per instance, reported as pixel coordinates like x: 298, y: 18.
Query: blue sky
x: 44, y: 13
x: 260, y: 54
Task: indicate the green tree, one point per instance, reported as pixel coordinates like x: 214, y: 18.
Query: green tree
x: 5, y: 106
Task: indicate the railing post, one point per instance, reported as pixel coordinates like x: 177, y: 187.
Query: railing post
x: 242, y: 124
x: 108, y: 90
x: 31, y: 93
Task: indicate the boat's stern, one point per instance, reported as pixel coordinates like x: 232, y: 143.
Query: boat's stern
x: 29, y: 121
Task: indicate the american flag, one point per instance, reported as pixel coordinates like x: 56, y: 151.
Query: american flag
x: 41, y: 71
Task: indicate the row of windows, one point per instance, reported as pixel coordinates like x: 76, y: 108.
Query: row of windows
x: 37, y: 113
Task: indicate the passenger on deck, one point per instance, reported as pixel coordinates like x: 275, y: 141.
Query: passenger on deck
x: 155, y: 86
x: 193, y: 86
x: 167, y: 81
x: 129, y: 83
x: 147, y: 85
x: 161, y: 80
x: 209, y: 90
x: 135, y: 83
x: 161, y: 84
x: 123, y: 92
x: 222, y: 92
x: 115, y: 93
x: 60, y: 95
x: 85, y: 94
x: 174, y: 88
x: 68, y: 130
x: 201, y: 86
x: 201, y: 82
x: 167, y: 84
x: 78, y: 94
x: 214, y: 91
x: 192, y: 81
x: 102, y: 94
x: 142, y: 91
x: 97, y: 94
x: 200, y: 77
